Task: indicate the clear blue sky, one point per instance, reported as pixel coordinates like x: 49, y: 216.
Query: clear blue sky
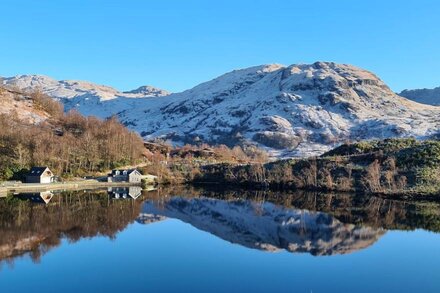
x: 178, y: 44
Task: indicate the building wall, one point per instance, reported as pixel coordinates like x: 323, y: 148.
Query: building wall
x: 32, y: 179
x: 38, y: 179
x: 45, y: 179
x: 135, y: 178
x: 118, y: 178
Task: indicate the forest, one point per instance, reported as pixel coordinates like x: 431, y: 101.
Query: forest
x: 69, y: 143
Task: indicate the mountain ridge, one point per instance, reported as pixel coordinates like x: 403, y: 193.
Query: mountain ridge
x: 88, y: 98
x: 295, y: 110
x: 292, y: 110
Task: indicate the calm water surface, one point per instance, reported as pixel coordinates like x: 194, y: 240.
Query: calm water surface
x: 188, y: 240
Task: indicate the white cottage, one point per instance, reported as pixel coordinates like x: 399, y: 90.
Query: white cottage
x: 40, y: 175
x: 128, y: 175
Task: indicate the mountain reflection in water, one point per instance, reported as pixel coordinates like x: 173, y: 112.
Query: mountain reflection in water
x: 315, y: 223
x: 266, y: 226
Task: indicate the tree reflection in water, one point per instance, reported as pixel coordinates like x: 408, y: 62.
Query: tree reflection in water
x: 348, y: 208
x: 28, y: 226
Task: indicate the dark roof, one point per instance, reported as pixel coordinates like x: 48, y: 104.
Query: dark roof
x: 37, y: 171
x: 129, y: 171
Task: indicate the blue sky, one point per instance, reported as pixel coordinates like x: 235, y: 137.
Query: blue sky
x: 178, y: 44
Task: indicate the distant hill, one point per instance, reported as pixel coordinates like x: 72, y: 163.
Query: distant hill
x: 86, y: 97
x: 425, y: 96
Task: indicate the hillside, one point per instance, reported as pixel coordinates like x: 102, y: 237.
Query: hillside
x: 34, y: 131
x: 296, y: 110
x: 425, y: 96
x: 398, y: 167
x: 22, y: 106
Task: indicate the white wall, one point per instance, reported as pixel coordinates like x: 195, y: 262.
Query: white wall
x: 45, y: 179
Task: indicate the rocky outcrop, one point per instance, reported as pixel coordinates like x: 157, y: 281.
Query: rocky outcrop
x: 147, y: 90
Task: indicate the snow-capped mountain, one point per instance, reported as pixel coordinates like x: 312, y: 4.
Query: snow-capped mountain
x: 88, y: 98
x: 305, y: 109
x: 302, y: 109
x: 264, y: 225
x: 425, y: 96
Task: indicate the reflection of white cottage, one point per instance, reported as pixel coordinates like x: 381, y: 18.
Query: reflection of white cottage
x: 40, y: 175
x: 36, y: 197
x: 125, y: 192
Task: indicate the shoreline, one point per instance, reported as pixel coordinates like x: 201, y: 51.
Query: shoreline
x: 35, y: 187
x: 91, y: 184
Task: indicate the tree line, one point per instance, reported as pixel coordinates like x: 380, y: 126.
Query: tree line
x: 393, y: 166
x: 69, y: 143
